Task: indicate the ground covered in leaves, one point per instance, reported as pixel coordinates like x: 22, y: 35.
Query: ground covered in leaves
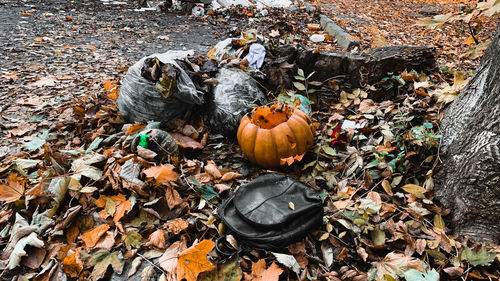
x: 80, y: 203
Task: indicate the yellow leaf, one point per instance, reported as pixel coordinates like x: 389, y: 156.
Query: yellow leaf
x: 162, y: 174
x: 387, y: 187
x: 414, y: 189
x: 469, y: 40
x: 439, y: 222
x: 73, y: 264
x: 193, y: 261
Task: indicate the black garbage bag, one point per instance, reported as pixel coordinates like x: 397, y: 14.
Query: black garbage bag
x: 140, y: 101
x: 232, y: 98
x: 271, y: 212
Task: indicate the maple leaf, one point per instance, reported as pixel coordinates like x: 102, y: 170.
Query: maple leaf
x: 13, y: 190
x: 162, y: 174
x: 91, y: 237
x: 260, y: 273
x: 394, y: 265
x: 192, y: 261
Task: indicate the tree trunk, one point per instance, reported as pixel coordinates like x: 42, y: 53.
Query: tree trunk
x: 469, y: 180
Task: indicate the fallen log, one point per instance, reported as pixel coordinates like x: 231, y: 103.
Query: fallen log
x: 358, y: 69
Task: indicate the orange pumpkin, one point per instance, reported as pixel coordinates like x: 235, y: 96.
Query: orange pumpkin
x: 269, y: 133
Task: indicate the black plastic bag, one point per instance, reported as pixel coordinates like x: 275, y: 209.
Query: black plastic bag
x: 233, y: 97
x: 272, y: 212
x: 139, y: 100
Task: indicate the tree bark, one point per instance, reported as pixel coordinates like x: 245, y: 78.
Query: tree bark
x: 468, y: 181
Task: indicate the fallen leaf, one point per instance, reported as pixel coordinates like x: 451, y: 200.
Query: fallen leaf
x: 157, y: 239
x: 192, y: 261
x: 231, y: 176
x: 19, y: 251
x: 173, y: 197
x: 186, y: 142
x: 162, y: 174
x: 102, y: 259
x: 73, y: 264
x: 91, y: 237
x: 414, y: 189
x: 212, y: 170
x: 168, y: 261
x: 13, y: 190
x: 176, y: 226
x: 260, y: 273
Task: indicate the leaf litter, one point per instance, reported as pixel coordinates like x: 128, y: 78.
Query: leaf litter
x: 375, y: 176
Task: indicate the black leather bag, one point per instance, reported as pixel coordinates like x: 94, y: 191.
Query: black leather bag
x: 271, y: 212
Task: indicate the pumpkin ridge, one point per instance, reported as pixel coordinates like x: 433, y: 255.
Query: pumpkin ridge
x: 294, y: 136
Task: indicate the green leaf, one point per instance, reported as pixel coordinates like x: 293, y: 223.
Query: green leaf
x: 427, y: 125
x: 299, y: 78
x: 300, y: 72
x: 207, y: 192
x: 299, y: 86
x: 328, y: 150
x: 478, y: 257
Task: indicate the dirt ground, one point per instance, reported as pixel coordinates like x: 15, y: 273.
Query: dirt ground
x: 55, y: 51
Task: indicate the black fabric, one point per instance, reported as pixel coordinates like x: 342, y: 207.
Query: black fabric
x: 259, y: 214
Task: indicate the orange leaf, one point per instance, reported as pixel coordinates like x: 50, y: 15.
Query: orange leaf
x: 343, y: 254
x: 91, y: 237
x: 121, y: 209
x: 13, y: 190
x: 193, y: 261
x: 260, y: 273
x: 136, y: 127
x: 176, y: 226
x: 109, y: 85
x: 313, y: 26
x: 162, y: 174
x: 73, y: 264
x: 212, y: 170
x: 231, y: 176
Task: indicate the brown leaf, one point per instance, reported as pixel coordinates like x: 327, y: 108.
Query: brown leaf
x: 212, y: 170
x: 107, y: 241
x: 162, y: 174
x: 192, y: 261
x: 186, y: 142
x: 176, y: 226
x: 203, y: 178
x: 13, y: 190
x: 173, y: 197
x: 362, y: 253
x: 91, y: 237
x: 73, y: 264
x: 231, y: 176
x: 157, y: 239
x: 260, y: 273
x: 221, y: 187
x: 454, y: 271
x: 168, y: 261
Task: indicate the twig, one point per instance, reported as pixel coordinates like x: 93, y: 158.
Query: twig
x: 152, y: 263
